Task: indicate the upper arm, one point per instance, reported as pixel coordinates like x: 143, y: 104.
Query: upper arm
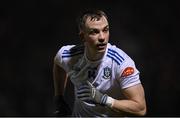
x: 136, y: 94
x: 60, y: 79
x: 59, y: 72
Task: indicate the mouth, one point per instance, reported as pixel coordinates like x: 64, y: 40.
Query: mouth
x: 101, y: 46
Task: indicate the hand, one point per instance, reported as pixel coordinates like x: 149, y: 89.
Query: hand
x: 61, y: 107
x: 88, y: 93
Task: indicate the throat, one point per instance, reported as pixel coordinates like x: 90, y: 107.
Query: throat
x: 94, y: 56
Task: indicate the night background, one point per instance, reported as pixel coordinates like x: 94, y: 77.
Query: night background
x: 32, y: 31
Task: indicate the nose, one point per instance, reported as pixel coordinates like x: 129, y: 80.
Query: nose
x: 101, y: 37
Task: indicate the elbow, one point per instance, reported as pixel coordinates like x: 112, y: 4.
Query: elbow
x: 142, y: 111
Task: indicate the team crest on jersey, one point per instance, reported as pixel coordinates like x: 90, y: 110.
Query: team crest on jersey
x: 107, y: 73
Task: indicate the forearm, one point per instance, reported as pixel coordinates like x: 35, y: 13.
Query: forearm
x: 129, y: 106
x: 134, y: 104
x: 58, y: 87
x: 59, y: 78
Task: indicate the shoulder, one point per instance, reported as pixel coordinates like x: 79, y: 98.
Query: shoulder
x: 125, y: 68
x: 67, y: 53
x: 116, y: 54
x: 70, y: 50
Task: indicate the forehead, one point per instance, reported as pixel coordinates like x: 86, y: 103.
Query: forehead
x: 97, y: 24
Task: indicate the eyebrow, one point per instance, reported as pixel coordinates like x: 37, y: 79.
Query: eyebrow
x: 107, y: 26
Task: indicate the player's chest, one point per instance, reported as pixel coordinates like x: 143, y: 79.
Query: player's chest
x: 97, y: 73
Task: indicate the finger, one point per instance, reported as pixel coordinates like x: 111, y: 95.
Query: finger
x: 81, y: 91
x: 83, y: 95
x: 86, y: 99
x: 83, y: 87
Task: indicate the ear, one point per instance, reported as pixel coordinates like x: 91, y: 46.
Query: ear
x: 81, y: 35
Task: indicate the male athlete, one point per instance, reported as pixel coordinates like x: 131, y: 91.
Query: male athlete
x: 105, y: 78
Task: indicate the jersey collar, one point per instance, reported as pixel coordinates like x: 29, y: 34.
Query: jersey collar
x: 98, y: 61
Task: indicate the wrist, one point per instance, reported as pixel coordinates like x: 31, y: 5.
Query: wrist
x: 109, y: 101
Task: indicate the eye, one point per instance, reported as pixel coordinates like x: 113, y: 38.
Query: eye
x: 106, y: 29
x: 94, y: 31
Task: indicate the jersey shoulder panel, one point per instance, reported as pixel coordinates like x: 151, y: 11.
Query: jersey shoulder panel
x: 124, y: 64
x: 116, y: 54
x: 72, y: 50
x: 126, y: 72
x: 68, y: 53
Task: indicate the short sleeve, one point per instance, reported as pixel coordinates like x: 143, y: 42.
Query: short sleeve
x: 58, y: 58
x: 128, y: 75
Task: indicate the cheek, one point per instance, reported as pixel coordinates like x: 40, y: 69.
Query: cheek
x: 91, y: 40
x: 107, y: 36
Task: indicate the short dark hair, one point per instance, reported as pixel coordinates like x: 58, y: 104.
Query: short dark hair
x: 93, y: 14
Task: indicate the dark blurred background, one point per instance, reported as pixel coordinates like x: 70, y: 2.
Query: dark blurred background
x: 32, y: 31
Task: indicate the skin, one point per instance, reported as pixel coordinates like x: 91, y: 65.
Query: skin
x: 135, y: 103
x: 95, y: 33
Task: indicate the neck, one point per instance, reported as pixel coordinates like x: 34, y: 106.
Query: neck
x: 94, y: 56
